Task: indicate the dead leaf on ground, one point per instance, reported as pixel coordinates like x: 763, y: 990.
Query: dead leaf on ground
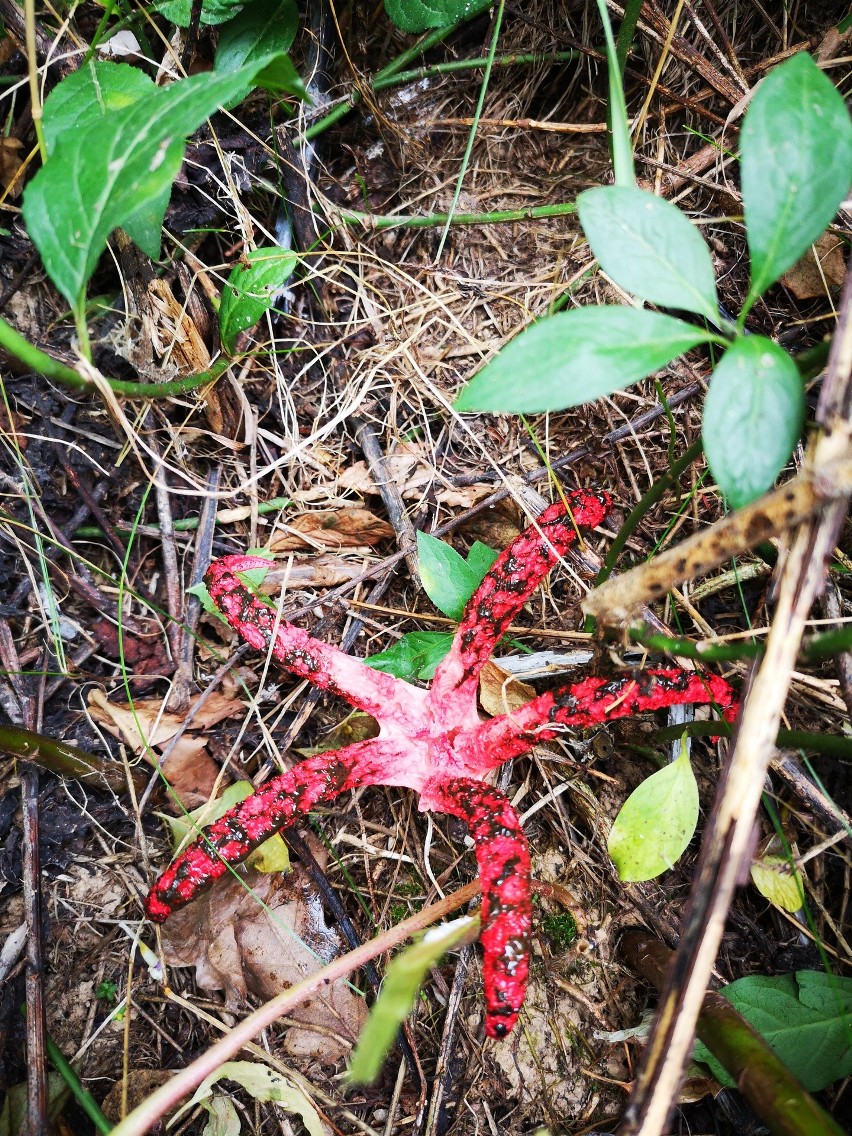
x: 140, y: 1084
x: 11, y: 167
x: 144, y: 727
x: 824, y: 264
x: 500, y: 692
x: 332, y: 530
x: 410, y: 466
x: 262, y: 942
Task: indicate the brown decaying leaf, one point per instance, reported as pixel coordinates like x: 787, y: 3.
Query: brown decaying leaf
x: 822, y: 267
x: 11, y: 167
x: 411, y: 468
x: 236, y: 945
x: 500, y: 693
x: 190, y: 770
x: 332, y: 530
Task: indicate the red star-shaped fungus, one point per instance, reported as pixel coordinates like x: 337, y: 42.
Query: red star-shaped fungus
x: 433, y: 741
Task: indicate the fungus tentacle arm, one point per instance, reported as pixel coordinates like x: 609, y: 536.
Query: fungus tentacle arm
x: 384, y: 697
x: 276, y: 805
x: 595, y: 701
x: 504, y: 868
x: 507, y: 586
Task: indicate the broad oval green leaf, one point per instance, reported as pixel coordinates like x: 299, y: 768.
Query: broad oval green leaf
x: 99, y: 177
x: 656, y: 822
x: 752, y: 417
x: 395, y: 1001
x: 88, y: 96
x: 796, y: 166
x: 578, y: 356
x: 250, y: 289
x: 649, y: 248
x: 260, y: 29
x: 264, y: 1084
x: 419, y: 15
x: 804, y: 1017
x: 447, y: 578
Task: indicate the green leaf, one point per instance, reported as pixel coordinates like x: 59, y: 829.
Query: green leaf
x: 403, y: 979
x: 656, y: 822
x: 418, y: 15
x: 752, y: 417
x: 777, y: 880
x: 480, y: 558
x: 575, y: 357
x: 796, y: 166
x: 414, y: 656
x: 85, y: 98
x: 250, y: 289
x: 649, y: 248
x: 621, y: 146
x: 212, y: 11
x: 263, y: 28
x: 101, y: 176
x: 807, y: 1019
x: 448, y: 579
x: 264, y: 1084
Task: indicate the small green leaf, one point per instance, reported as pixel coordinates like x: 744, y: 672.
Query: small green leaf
x: 264, y: 1084
x: 752, y: 417
x: 805, y: 1017
x: 212, y: 11
x: 419, y: 15
x: 796, y: 166
x: 480, y: 559
x: 780, y: 883
x: 203, y: 595
x: 414, y: 656
x: 261, y: 29
x: 656, y: 822
x: 403, y: 979
x: 575, y: 357
x: 448, y: 579
x: 100, y: 177
x: 649, y: 248
x: 250, y: 288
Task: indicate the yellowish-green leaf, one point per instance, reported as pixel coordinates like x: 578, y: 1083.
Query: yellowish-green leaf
x: 403, y: 979
x: 656, y: 822
x: 778, y: 882
x: 264, y: 1084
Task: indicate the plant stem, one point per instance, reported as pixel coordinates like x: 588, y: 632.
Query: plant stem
x: 401, y: 61
x: 471, y: 138
x: 65, y: 760
x: 83, y: 1097
x: 402, y: 78
x: 187, y: 524
x: 829, y: 744
x: 431, y: 220
x: 44, y: 364
x: 689, y: 649
x: 32, y: 73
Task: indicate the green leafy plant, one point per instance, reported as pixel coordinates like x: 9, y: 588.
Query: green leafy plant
x: 116, y: 144
x: 250, y: 290
x: 806, y: 1017
x: 420, y: 15
x: 449, y: 581
x: 796, y: 168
